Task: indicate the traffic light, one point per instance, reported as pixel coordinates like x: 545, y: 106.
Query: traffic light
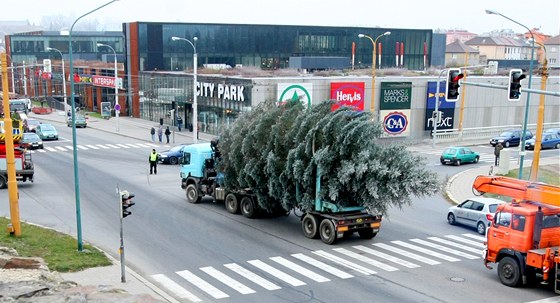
x: 126, y: 199
x: 436, y: 116
x: 452, y: 87
x: 514, y: 84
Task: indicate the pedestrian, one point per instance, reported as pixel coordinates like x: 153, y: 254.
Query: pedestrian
x: 153, y: 162
x: 497, y: 151
x: 179, y: 122
x: 167, y: 133
x: 160, y: 133
x: 69, y: 114
x: 153, y: 133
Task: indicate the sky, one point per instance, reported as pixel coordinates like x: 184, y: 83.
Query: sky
x: 411, y: 14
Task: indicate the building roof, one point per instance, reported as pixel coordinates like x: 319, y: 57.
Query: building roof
x: 460, y: 47
x: 553, y: 41
x: 481, y: 40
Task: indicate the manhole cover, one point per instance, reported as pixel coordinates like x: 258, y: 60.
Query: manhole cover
x: 457, y: 279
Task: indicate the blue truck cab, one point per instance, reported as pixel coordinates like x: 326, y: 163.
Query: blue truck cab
x: 194, y: 158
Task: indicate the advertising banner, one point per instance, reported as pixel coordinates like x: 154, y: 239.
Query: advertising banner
x: 348, y: 94
x: 395, y: 100
x: 294, y: 92
x: 105, y: 109
x: 105, y: 81
x: 447, y: 108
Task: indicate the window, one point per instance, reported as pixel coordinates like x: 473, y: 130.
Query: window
x: 551, y: 221
x: 467, y: 205
x: 502, y: 219
x: 186, y: 158
x: 518, y: 222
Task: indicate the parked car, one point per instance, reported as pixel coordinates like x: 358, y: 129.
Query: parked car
x: 548, y: 140
x: 458, y: 155
x: 31, y: 141
x: 173, y: 155
x: 510, y: 137
x: 476, y: 212
x: 80, y: 121
x: 30, y: 124
x: 46, y: 132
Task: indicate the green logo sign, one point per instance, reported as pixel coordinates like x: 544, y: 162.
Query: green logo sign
x: 396, y: 95
x: 294, y: 92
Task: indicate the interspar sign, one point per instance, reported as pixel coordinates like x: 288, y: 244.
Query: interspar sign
x: 106, y: 81
x: 348, y: 94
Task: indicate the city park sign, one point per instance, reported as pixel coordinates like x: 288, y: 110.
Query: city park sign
x: 226, y: 92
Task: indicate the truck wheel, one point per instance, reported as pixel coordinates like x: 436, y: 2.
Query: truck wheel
x: 366, y: 233
x: 327, y: 231
x: 247, y: 207
x: 310, y: 226
x: 232, y: 205
x: 2, y: 182
x: 509, y: 272
x: 192, y: 194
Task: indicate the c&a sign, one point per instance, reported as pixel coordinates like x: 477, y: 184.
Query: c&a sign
x: 348, y: 94
x: 395, y: 108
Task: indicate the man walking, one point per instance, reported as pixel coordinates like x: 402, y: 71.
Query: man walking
x: 497, y: 151
x: 153, y: 162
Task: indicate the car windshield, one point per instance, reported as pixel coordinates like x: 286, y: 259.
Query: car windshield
x: 47, y: 127
x: 506, y: 134
x: 176, y: 148
x: 33, y: 122
x: 30, y: 137
x: 450, y: 151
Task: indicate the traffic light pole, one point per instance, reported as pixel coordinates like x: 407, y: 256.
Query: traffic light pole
x: 121, y: 248
x: 505, y: 87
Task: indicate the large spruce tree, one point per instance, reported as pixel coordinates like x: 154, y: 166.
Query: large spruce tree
x: 277, y: 152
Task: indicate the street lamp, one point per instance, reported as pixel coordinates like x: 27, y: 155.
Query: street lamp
x: 114, y: 82
x: 63, y: 76
x: 74, y: 143
x: 374, y: 43
x: 522, y: 147
x: 195, y: 106
x: 12, y: 68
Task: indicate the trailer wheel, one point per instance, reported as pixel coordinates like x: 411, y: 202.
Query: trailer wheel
x: 2, y: 182
x: 509, y: 272
x: 310, y: 226
x: 192, y: 194
x: 232, y: 205
x: 247, y: 207
x: 327, y: 231
x: 366, y: 233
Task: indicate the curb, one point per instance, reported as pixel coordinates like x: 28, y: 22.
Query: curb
x: 450, y: 181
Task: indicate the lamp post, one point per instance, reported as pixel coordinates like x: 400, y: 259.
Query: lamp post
x: 74, y: 143
x: 114, y: 82
x: 522, y: 147
x: 63, y: 77
x: 374, y: 43
x: 195, y: 106
x: 12, y: 70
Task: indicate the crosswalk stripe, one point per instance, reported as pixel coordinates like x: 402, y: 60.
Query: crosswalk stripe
x: 426, y: 251
x: 366, y: 259
x: 102, y: 146
x: 407, y: 254
x: 386, y: 256
x: 343, y: 262
x: 300, y: 269
x: 332, y: 270
x: 277, y: 273
x: 82, y: 147
x: 133, y: 145
x: 92, y: 146
x: 62, y: 148
x: 479, y: 238
x: 461, y: 246
x: 176, y: 288
x: 203, y: 285
x: 122, y: 145
x: 471, y: 242
x: 50, y: 148
x: 143, y: 145
x: 152, y: 145
x: 69, y: 147
x: 112, y: 146
x: 444, y: 248
x: 227, y: 280
x: 252, y: 276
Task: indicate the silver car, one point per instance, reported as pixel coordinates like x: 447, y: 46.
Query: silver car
x: 475, y: 212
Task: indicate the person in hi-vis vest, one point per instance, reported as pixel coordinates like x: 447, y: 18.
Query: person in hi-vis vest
x: 153, y: 162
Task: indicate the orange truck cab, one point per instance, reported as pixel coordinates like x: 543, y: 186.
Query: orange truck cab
x: 524, y: 236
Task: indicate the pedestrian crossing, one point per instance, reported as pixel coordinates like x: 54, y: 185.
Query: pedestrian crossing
x: 484, y: 157
x: 69, y: 148
x: 212, y: 283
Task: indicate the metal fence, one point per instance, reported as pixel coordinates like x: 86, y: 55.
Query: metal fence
x: 480, y: 133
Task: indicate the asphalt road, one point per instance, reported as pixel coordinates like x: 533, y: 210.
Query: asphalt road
x: 202, y: 253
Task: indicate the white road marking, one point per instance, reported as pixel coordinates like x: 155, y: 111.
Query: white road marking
x: 366, y: 259
x: 252, y: 276
x: 344, y: 262
x: 386, y: 256
x: 122, y: 145
x: 476, y: 237
x: 50, y: 148
x: 407, y: 254
x: 300, y: 270
x: 62, y: 148
x: 203, y: 285
x: 426, y: 251
x: 112, y: 146
x: 102, y: 146
x: 175, y: 288
x: 277, y: 273
x: 92, y: 146
x: 227, y: 280
x: 471, y: 242
x: 445, y: 249
x: 461, y: 246
x: 332, y: 270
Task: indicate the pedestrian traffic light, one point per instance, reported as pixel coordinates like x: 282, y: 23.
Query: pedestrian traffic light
x: 436, y: 116
x: 514, y: 84
x: 126, y: 199
x: 452, y: 87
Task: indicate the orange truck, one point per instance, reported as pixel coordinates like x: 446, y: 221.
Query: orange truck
x: 524, y: 236
x: 23, y: 162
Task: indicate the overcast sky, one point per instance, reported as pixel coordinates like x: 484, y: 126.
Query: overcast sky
x: 413, y: 14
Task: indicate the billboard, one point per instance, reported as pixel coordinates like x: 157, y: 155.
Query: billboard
x: 394, y: 113
x: 447, y: 108
x: 294, y: 92
x: 348, y: 94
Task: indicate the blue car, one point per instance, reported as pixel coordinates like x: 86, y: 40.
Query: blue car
x: 173, y: 155
x: 548, y: 140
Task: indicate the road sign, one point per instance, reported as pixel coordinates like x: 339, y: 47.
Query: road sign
x: 117, y: 106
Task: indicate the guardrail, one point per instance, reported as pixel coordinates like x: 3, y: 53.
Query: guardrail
x: 479, y: 133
